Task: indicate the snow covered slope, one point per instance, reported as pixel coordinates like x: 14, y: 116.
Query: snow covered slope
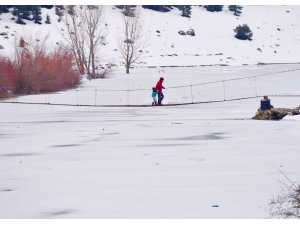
x: 276, y: 36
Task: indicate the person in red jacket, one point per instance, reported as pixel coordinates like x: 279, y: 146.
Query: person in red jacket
x: 159, y: 88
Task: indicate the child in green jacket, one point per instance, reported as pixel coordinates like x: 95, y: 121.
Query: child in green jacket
x: 154, y: 95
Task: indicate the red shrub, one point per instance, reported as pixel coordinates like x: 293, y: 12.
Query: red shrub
x: 8, y: 76
x: 61, y: 74
x: 35, y: 71
x: 39, y: 72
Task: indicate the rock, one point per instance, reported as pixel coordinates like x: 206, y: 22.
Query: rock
x: 6, y: 190
x: 7, y: 27
x: 158, y: 31
x: 1, y: 47
x: 4, y: 34
x: 275, y: 113
x: 190, y: 32
x: 181, y: 32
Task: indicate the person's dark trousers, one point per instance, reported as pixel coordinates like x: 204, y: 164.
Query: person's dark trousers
x: 160, y: 98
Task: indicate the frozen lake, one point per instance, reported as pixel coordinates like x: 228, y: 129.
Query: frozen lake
x: 193, y: 161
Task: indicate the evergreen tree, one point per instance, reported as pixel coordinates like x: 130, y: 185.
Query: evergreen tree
x: 20, y: 21
x: 48, y: 20
x: 243, y: 32
x: 159, y: 8
x: 22, y: 12
x: 237, y: 9
x: 59, y: 11
x: 36, y: 11
x: 18, y: 12
x: 186, y: 11
x: 15, y: 11
x: 4, y: 8
x: 26, y: 11
x: 214, y: 8
x: 47, y: 6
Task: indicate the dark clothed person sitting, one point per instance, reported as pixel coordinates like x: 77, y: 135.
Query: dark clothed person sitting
x: 265, y: 103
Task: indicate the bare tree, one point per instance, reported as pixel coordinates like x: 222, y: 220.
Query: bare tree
x: 133, y: 41
x: 86, y: 33
x: 92, y: 19
x: 74, y: 37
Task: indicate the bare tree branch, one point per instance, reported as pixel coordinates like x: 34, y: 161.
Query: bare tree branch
x: 85, y: 34
x: 132, y: 41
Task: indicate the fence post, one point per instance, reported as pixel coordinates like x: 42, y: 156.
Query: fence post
x: 96, y: 97
x: 224, y: 90
x: 255, y: 86
x: 48, y: 99
x: 127, y: 97
x: 77, y: 98
x: 192, y: 94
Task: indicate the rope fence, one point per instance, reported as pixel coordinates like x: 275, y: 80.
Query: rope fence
x: 233, y: 89
x: 148, y: 105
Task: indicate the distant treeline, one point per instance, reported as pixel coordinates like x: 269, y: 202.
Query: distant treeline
x: 33, y: 12
x: 25, y: 12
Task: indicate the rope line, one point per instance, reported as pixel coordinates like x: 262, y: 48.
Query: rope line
x: 192, y: 100
x: 210, y: 82
x: 149, y: 105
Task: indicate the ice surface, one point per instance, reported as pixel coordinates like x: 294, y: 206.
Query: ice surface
x: 155, y: 162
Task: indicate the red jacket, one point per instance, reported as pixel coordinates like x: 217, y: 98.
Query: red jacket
x: 159, y: 86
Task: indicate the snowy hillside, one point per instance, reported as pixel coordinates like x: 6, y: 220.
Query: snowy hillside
x: 276, y: 36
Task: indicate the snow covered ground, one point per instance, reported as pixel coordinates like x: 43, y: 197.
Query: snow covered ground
x: 155, y: 162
